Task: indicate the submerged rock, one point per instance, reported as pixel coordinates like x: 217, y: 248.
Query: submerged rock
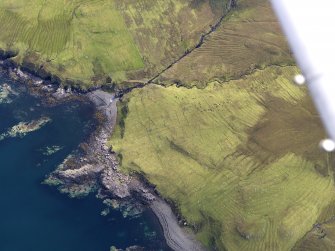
x: 78, y: 190
x: 24, y: 128
x: 105, y: 212
x: 49, y: 150
x: 132, y: 248
x: 128, y: 208
x: 5, y: 92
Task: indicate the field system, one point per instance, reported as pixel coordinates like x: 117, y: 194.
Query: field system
x: 249, y: 38
x: 240, y: 160
x: 87, y: 42
x: 218, y: 127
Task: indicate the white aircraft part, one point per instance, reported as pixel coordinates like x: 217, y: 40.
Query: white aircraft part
x: 310, y: 29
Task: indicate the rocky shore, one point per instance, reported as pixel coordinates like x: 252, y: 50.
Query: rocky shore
x: 94, y: 167
x: 98, y: 169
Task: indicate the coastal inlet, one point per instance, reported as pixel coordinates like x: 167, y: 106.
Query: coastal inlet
x: 34, y: 140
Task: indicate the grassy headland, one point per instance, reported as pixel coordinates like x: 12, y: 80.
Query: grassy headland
x: 240, y: 160
x: 90, y: 42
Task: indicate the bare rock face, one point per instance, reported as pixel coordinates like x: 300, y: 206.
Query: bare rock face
x: 85, y: 171
x: 78, y: 176
x: 116, y: 184
x: 60, y: 93
x: 121, y: 186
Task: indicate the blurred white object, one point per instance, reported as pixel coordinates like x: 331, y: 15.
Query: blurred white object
x: 310, y: 29
x: 328, y: 145
x: 299, y: 79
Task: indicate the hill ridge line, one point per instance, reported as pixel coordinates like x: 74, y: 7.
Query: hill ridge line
x: 232, y: 4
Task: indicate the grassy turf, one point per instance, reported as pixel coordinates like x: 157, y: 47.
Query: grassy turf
x: 86, y: 41
x: 82, y: 39
x: 249, y: 38
x: 322, y: 235
x: 164, y: 30
x: 239, y: 160
x: 319, y: 238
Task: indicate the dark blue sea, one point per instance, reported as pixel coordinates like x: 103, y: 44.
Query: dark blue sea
x: 36, y: 217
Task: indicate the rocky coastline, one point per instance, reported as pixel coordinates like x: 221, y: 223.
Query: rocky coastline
x: 94, y: 167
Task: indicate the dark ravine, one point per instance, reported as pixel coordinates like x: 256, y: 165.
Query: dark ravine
x: 119, y: 92
x: 232, y: 4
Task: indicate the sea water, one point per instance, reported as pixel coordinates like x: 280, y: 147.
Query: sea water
x: 36, y: 217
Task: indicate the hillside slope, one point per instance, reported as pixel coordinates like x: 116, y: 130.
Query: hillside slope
x: 249, y: 38
x: 218, y: 127
x: 238, y: 158
x: 240, y: 161
x: 91, y: 42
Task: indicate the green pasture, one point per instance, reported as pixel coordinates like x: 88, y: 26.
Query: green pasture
x: 249, y: 38
x: 239, y: 160
x: 78, y: 40
x: 87, y: 42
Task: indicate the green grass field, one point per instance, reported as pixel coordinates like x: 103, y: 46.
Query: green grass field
x: 239, y: 160
x: 77, y: 40
x: 321, y: 237
x: 249, y: 38
x: 87, y: 41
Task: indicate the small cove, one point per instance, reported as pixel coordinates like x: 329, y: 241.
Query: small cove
x: 37, y: 217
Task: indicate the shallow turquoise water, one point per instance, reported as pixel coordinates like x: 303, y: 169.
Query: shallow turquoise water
x: 37, y: 217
